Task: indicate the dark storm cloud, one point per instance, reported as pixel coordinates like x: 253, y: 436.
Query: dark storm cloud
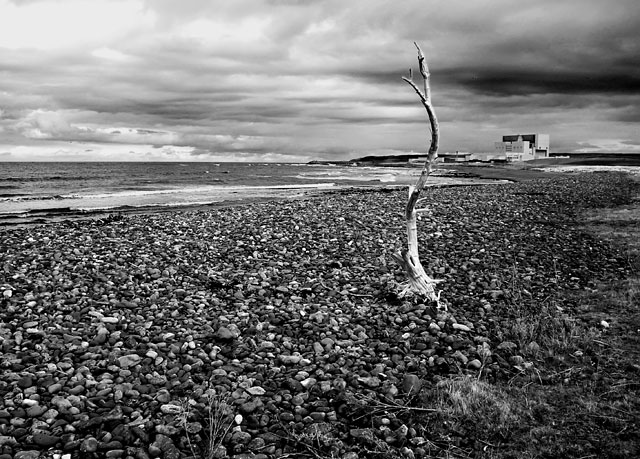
x: 507, y: 82
x: 383, y: 78
x: 629, y: 113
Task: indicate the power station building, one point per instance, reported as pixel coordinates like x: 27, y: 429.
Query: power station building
x: 523, y: 147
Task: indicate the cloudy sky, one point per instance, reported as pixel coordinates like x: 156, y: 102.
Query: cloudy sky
x: 293, y: 80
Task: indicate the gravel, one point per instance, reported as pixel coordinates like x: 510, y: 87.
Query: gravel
x: 286, y: 310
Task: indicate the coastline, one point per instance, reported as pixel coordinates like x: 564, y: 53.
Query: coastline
x: 60, y: 208
x: 288, y: 308
x: 307, y: 181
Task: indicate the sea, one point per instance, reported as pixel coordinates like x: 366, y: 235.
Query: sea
x: 49, y: 191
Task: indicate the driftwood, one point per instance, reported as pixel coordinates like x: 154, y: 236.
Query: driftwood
x: 418, y: 282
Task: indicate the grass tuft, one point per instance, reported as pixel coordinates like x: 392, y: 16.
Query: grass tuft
x: 541, y: 328
x: 465, y: 403
x: 218, y: 420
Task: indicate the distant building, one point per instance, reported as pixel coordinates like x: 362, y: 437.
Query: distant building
x: 457, y: 157
x: 521, y: 147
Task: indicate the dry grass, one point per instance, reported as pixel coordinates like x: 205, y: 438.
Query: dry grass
x: 466, y: 397
x: 542, y: 328
x: 465, y: 404
x: 318, y: 441
x: 218, y: 420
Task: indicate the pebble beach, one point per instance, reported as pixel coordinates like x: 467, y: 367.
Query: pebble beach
x: 117, y: 333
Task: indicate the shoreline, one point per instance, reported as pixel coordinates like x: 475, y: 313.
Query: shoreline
x: 233, y: 196
x: 43, y: 211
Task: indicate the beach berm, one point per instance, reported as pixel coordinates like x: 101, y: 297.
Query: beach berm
x: 279, y: 323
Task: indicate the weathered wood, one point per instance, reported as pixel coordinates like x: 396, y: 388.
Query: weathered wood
x: 418, y: 282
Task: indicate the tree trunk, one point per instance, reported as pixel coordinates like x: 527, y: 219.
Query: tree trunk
x: 418, y: 282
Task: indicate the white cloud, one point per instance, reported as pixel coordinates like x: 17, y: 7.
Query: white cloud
x: 604, y: 145
x: 44, y: 124
x: 216, y: 32
x: 110, y: 54
x: 60, y: 25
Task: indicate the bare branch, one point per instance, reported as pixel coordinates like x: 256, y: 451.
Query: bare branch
x: 419, y: 281
x: 425, y: 98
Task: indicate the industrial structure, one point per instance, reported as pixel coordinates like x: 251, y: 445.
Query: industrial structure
x: 457, y: 157
x: 523, y: 147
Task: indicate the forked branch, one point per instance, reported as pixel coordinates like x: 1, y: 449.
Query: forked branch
x: 425, y: 98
